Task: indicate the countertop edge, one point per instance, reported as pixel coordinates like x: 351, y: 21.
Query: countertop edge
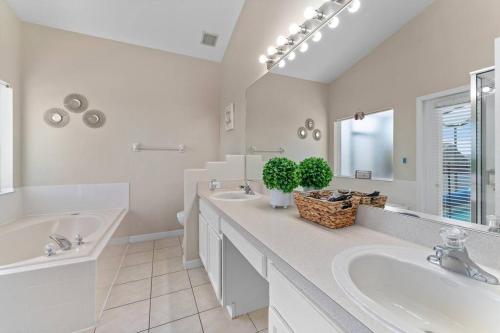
x: 331, y: 309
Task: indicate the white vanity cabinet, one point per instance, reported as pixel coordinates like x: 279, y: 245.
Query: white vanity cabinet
x: 290, y: 311
x: 210, y: 245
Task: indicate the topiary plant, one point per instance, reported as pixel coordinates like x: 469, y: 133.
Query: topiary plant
x: 315, y: 173
x: 280, y: 173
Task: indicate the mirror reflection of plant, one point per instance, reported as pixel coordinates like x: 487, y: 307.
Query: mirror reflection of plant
x: 280, y: 173
x: 315, y: 173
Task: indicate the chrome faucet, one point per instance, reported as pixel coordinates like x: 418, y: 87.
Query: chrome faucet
x: 61, y: 241
x: 453, y: 256
x: 248, y: 190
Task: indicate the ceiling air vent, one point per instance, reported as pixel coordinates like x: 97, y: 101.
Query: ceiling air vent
x: 209, y: 39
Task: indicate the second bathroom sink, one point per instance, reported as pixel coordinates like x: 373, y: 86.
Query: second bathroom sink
x: 398, y: 287
x: 234, y: 196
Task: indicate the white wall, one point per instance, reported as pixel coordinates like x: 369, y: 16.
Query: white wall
x: 277, y: 106
x: 434, y: 52
x: 148, y: 96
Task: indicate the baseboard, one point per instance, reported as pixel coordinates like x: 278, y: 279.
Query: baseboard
x: 156, y: 235
x: 190, y: 264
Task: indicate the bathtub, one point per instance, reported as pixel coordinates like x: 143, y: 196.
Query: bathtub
x: 65, y: 292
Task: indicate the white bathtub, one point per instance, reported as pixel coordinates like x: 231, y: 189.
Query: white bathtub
x: 64, y: 292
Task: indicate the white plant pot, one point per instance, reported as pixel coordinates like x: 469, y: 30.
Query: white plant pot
x: 280, y: 199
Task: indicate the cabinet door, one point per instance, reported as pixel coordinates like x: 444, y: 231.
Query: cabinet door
x: 203, y: 240
x: 215, y: 261
x: 276, y: 323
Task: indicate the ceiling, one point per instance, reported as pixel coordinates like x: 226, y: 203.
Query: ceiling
x: 174, y: 26
x: 356, y: 36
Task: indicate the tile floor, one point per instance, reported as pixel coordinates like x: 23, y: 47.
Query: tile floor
x: 153, y: 293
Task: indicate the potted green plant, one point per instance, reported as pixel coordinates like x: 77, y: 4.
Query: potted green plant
x: 315, y: 173
x: 281, y: 177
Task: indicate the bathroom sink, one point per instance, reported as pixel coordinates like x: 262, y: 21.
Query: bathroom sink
x: 398, y: 287
x: 234, y: 196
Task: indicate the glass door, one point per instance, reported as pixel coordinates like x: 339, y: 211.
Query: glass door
x: 483, y: 163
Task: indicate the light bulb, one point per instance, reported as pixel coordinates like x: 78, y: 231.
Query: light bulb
x: 271, y: 50
x: 263, y: 59
x: 334, y: 23
x: 282, y: 64
x: 354, y: 6
x: 304, y: 47
x: 281, y: 40
x: 294, y: 28
x: 317, y: 36
x: 292, y: 56
x: 309, y: 13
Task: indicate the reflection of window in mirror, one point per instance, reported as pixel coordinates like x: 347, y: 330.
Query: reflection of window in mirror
x: 365, y: 145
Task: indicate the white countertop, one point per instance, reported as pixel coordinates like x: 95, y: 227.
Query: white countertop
x: 307, y: 247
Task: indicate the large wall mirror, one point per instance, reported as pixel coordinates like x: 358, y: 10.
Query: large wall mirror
x: 407, y: 108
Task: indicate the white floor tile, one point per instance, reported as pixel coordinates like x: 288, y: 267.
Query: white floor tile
x: 134, y: 273
x: 198, y: 276
x: 187, y: 325
x: 205, y: 297
x: 131, y: 318
x: 260, y: 318
x: 167, y: 308
x: 167, y: 252
x: 218, y: 321
x: 169, y: 283
x: 171, y: 265
x: 137, y: 258
x: 130, y: 292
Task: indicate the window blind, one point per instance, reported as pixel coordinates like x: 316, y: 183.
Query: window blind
x: 455, y: 151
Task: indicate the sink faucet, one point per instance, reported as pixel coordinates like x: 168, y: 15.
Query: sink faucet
x: 453, y: 256
x: 61, y: 241
x: 248, y: 190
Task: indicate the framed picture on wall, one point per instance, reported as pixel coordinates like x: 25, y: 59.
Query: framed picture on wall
x: 229, y: 117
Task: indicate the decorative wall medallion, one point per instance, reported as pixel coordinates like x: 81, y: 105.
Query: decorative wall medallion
x: 302, y: 132
x: 76, y: 103
x: 310, y: 124
x: 317, y: 134
x: 56, y: 117
x: 94, y: 118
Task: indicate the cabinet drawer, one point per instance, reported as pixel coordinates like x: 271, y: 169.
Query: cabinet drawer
x: 210, y: 215
x: 254, y: 257
x: 276, y: 323
x: 297, y: 311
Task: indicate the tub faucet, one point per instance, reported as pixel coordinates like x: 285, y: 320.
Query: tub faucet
x: 453, y: 256
x: 61, y: 241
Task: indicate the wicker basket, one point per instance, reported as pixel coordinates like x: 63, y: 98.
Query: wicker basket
x: 378, y: 201
x: 333, y: 215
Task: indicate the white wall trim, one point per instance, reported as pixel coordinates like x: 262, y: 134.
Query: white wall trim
x: 190, y: 264
x: 419, y: 163
x: 155, y: 236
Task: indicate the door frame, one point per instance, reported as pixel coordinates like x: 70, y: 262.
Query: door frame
x: 420, y: 161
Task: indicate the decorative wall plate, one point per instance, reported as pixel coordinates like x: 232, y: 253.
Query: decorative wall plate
x: 310, y: 124
x: 317, y: 134
x: 94, y: 118
x: 56, y: 117
x: 302, y: 132
x: 76, y: 103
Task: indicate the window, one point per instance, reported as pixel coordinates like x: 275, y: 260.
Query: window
x: 365, y: 145
x: 6, y: 138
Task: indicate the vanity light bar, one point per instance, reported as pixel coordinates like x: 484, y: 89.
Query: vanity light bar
x: 316, y: 19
